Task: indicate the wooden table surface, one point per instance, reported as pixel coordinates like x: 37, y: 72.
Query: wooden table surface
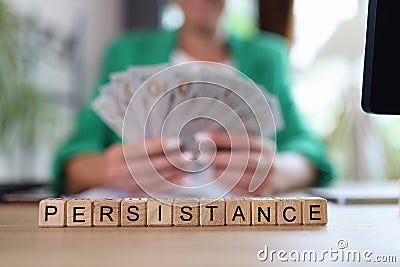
x: 23, y: 243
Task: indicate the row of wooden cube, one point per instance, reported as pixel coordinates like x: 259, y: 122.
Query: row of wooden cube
x: 58, y: 212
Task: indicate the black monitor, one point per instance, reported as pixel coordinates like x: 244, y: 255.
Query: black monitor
x: 381, y: 85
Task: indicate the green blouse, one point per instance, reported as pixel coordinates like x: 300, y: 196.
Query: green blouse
x: 262, y: 58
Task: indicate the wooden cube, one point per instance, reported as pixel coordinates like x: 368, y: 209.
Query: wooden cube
x: 79, y: 212
x: 212, y: 212
x: 238, y: 211
x: 186, y: 212
x: 133, y: 212
x: 263, y: 211
x: 288, y: 211
x: 314, y: 211
x: 106, y: 212
x: 52, y: 212
x: 159, y: 212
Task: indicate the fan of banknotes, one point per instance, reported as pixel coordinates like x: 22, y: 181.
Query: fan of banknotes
x: 182, y: 100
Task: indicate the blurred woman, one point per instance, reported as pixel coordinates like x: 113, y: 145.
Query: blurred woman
x: 93, y: 156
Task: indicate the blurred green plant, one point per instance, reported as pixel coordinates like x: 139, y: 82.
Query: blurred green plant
x: 241, y: 26
x: 20, y: 103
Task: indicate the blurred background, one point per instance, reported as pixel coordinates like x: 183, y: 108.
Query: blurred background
x: 50, y: 52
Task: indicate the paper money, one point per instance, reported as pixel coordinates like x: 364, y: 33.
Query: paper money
x: 225, y: 96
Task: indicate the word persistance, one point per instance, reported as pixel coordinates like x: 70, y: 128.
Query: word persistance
x: 141, y: 212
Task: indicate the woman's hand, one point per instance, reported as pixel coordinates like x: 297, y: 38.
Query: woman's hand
x: 241, y: 156
x: 261, y: 172
x: 147, y: 162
